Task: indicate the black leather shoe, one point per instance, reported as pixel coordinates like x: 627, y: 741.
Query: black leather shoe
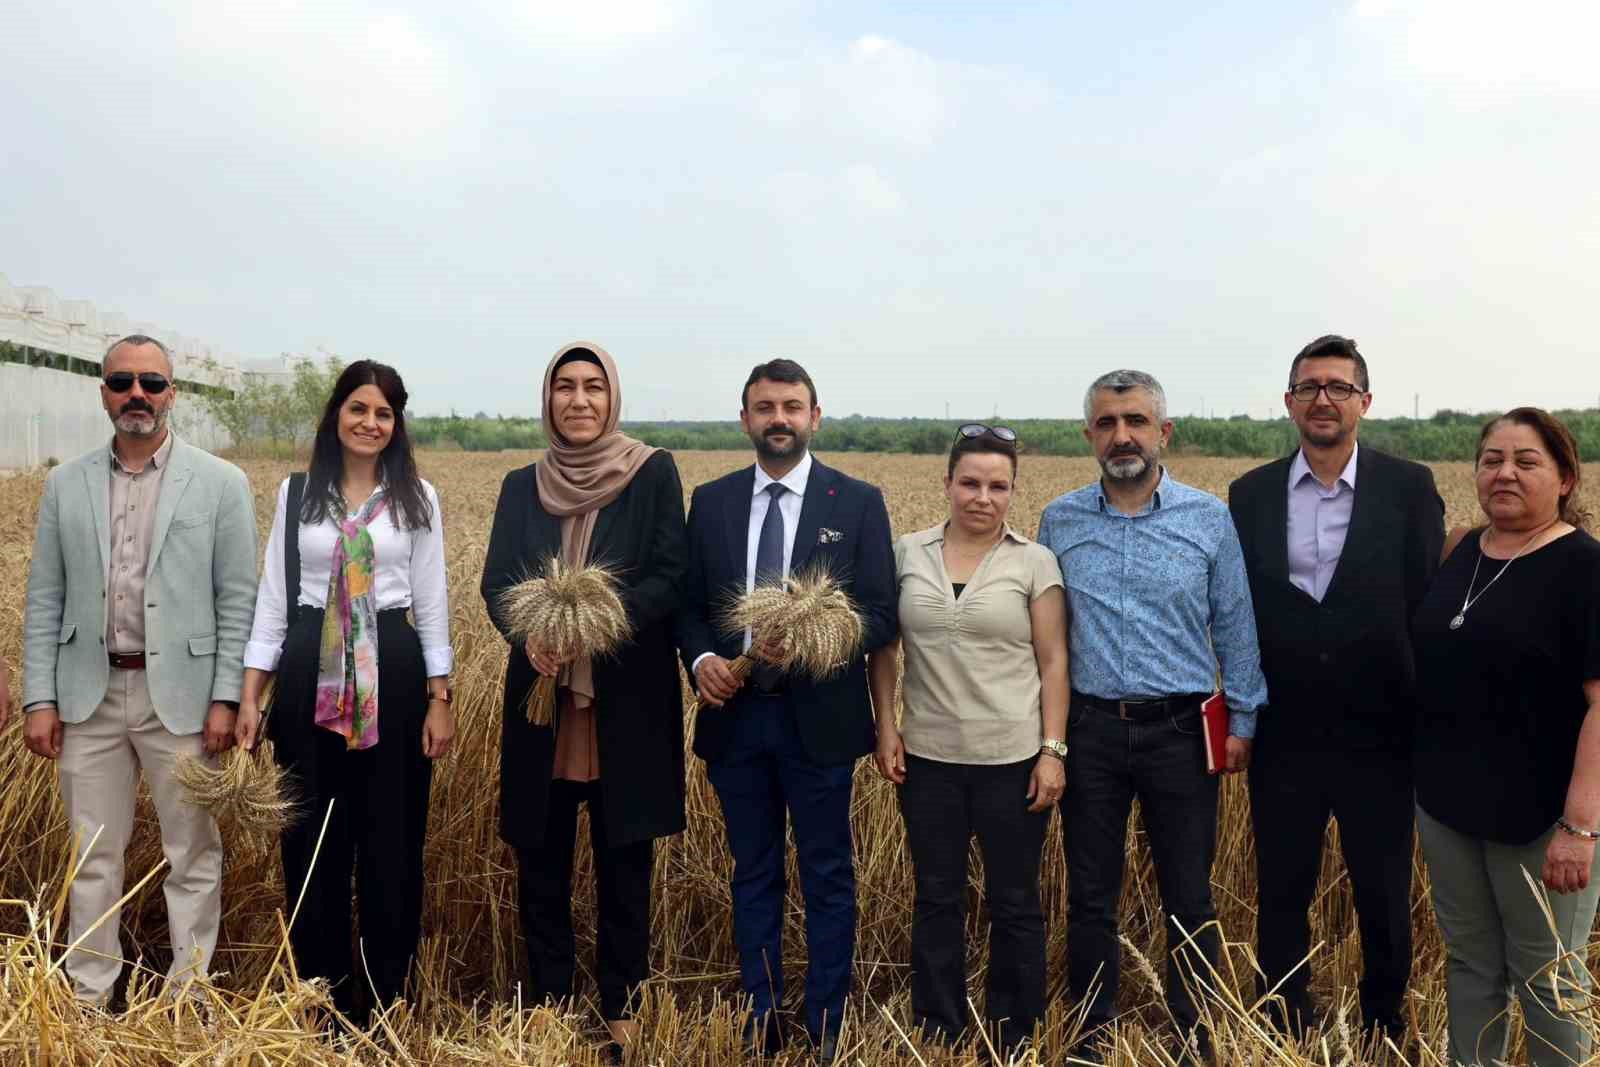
x: 763, y: 1037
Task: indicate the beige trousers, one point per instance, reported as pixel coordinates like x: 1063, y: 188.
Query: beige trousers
x: 100, y: 762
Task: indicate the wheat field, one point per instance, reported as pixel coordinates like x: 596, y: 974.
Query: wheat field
x: 465, y: 1011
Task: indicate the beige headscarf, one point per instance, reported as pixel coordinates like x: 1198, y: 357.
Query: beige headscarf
x: 576, y: 481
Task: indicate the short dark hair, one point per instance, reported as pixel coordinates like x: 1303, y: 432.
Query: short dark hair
x: 1332, y: 346
x: 983, y: 443
x: 786, y: 371
x: 1561, y: 445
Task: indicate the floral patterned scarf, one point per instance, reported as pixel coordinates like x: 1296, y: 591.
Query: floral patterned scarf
x: 347, y: 669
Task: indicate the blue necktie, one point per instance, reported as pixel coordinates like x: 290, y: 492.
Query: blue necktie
x: 769, y: 569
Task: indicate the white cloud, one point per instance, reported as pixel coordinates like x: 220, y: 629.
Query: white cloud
x: 871, y: 192
x: 875, y: 91
x: 823, y: 201
x: 1490, y: 45
x: 347, y: 73
x: 590, y: 22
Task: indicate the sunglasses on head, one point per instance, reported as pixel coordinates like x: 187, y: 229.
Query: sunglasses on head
x: 978, y: 429
x: 122, y: 381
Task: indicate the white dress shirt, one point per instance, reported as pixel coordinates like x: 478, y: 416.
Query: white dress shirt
x: 408, y: 572
x: 1319, y: 519
x: 789, y: 505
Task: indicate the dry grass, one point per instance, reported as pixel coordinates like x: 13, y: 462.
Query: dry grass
x: 465, y: 1012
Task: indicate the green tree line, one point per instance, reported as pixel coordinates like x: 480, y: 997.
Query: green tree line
x: 1445, y: 436
x: 279, y: 414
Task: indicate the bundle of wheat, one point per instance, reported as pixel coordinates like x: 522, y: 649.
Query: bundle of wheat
x: 570, y: 612
x: 809, y: 616
x: 244, y: 791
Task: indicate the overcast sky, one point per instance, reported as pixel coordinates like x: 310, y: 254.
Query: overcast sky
x: 979, y: 205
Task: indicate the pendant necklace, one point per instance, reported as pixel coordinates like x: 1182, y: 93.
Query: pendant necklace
x: 1461, y: 616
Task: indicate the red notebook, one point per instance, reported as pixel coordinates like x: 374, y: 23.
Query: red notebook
x: 1214, y: 713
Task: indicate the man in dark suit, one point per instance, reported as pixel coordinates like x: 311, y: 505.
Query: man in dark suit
x: 1340, y: 543
x: 779, y: 741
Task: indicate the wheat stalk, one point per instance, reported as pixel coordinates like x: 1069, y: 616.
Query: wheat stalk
x: 247, y: 792
x: 809, y: 615
x: 569, y: 612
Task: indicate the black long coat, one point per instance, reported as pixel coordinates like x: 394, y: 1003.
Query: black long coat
x: 638, y: 699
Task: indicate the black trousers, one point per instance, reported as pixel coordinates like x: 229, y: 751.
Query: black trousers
x: 379, y: 799
x: 944, y: 804
x: 1163, y: 763
x: 1292, y: 795
x: 622, y: 896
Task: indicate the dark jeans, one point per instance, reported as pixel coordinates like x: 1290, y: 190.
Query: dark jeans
x: 944, y: 804
x: 1163, y: 763
x: 379, y: 819
x: 622, y: 897
x: 1292, y: 794
x: 763, y: 774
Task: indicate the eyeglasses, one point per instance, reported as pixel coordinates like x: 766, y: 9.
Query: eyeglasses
x: 978, y: 429
x: 1306, y: 392
x: 122, y: 381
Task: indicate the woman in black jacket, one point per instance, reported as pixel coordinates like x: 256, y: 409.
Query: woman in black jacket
x: 616, y: 743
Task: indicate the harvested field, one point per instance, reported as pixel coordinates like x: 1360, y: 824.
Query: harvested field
x: 465, y: 1012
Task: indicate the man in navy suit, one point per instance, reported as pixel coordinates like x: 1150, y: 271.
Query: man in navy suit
x: 781, y: 743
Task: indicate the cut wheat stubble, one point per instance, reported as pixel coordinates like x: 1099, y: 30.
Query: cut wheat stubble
x: 569, y: 612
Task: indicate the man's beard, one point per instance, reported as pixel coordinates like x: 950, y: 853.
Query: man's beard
x: 766, y: 448
x: 1325, y: 438
x: 1127, y: 468
x: 140, y: 422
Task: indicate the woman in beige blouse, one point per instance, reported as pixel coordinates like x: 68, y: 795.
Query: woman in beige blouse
x: 980, y: 745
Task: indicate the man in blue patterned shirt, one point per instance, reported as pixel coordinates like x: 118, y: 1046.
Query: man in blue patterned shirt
x: 1157, y: 588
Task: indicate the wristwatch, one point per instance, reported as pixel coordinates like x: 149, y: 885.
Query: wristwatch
x: 1056, y: 748
x: 448, y: 697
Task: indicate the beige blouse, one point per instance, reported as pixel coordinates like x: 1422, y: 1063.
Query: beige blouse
x: 971, y: 687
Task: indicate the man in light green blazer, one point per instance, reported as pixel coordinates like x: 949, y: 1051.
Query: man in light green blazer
x: 140, y: 597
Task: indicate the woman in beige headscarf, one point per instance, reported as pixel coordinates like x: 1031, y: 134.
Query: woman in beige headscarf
x: 597, y: 496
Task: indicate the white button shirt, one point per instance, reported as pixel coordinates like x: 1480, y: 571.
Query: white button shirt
x: 408, y: 572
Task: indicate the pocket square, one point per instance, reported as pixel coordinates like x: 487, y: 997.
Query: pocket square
x: 826, y: 536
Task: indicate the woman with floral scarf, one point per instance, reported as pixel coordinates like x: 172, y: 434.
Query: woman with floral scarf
x: 362, y: 704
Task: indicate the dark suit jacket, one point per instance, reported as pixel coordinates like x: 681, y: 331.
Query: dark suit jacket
x: 639, y: 699
x: 1340, y: 673
x: 834, y: 716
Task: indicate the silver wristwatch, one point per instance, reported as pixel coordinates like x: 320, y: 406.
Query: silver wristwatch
x: 1056, y: 748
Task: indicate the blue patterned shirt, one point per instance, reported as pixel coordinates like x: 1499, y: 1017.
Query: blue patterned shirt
x: 1154, y: 594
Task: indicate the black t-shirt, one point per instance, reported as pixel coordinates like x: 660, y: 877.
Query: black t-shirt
x: 1502, y: 698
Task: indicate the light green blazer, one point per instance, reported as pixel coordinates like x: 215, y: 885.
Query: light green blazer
x: 200, y: 588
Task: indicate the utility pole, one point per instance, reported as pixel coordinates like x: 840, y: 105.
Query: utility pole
x: 1416, y: 407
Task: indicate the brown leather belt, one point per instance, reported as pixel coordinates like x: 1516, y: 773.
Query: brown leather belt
x: 1142, y: 710
x: 126, y: 661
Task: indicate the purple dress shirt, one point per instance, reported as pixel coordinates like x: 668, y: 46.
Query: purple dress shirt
x: 1319, y: 518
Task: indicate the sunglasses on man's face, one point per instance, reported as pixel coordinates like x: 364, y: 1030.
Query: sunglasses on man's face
x: 122, y: 381
x: 978, y: 429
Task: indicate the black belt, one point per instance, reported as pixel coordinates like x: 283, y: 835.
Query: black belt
x: 126, y: 661
x: 1142, y: 710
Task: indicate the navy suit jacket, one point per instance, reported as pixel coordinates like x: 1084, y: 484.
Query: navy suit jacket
x: 834, y: 716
